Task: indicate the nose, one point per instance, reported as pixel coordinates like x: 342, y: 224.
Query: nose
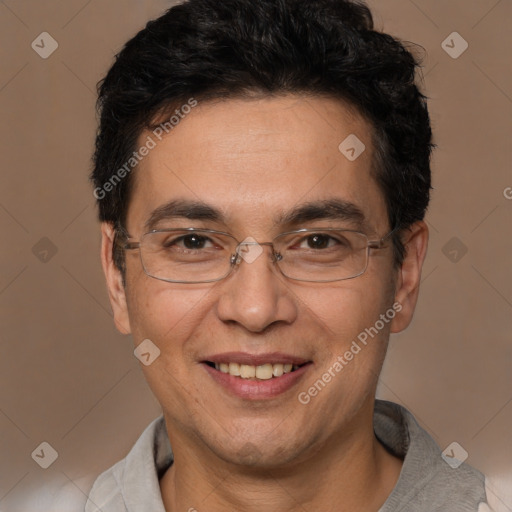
x: 255, y: 294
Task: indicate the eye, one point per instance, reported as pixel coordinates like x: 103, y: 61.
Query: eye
x: 320, y: 241
x: 191, y: 241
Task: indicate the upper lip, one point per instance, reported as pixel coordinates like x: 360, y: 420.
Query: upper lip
x: 256, y: 359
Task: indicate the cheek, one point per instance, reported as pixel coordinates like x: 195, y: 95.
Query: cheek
x: 168, y: 316
x: 347, y: 310
x: 164, y: 312
x: 356, y: 332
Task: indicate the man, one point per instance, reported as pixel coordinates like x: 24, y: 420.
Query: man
x: 262, y: 171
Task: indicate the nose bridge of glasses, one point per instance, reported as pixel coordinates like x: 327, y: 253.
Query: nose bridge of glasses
x: 254, y: 242
x: 250, y: 249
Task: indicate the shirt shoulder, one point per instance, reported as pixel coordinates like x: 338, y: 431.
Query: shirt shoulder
x: 132, y: 484
x: 106, y: 493
x: 429, y: 481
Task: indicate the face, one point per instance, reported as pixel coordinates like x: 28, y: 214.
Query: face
x: 252, y: 163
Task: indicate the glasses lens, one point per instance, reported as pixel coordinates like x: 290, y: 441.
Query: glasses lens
x: 324, y: 255
x: 183, y: 255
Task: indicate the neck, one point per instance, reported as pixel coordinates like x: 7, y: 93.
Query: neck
x: 352, y: 472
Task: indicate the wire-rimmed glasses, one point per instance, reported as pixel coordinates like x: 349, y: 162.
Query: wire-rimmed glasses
x: 191, y: 255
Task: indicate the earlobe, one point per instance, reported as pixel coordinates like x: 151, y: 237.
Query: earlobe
x: 114, y: 279
x: 415, y: 240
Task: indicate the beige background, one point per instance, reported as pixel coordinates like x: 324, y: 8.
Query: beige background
x: 68, y: 378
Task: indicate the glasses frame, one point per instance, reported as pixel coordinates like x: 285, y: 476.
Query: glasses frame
x: 236, y: 258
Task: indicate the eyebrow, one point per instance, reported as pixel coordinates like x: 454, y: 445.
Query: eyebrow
x: 326, y: 209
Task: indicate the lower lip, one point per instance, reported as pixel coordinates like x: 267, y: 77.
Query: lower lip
x: 255, y: 389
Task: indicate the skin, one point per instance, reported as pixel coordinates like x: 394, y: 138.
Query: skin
x: 253, y: 159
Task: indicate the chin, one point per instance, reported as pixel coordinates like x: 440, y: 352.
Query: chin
x: 260, y: 450
x: 260, y: 457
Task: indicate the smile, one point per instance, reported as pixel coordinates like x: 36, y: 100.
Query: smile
x: 256, y: 377
x: 262, y: 372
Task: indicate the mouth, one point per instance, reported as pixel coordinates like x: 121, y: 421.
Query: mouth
x: 263, y: 371
x: 256, y: 377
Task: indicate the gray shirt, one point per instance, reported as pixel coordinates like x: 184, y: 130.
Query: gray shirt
x: 427, y: 482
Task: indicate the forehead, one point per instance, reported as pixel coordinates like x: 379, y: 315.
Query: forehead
x: 255, y: 160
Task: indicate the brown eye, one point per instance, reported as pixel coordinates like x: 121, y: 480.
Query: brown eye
x: 194, y: 241
x: 318, y: 241
x: 191, y: 242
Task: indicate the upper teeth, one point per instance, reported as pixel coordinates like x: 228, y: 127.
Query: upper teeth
x: 247, y: 371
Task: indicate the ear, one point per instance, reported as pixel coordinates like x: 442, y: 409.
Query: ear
x: 415, y: 240
x: 113, y: 276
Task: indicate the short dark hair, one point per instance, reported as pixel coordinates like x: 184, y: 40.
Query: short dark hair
x: 211, y: 49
